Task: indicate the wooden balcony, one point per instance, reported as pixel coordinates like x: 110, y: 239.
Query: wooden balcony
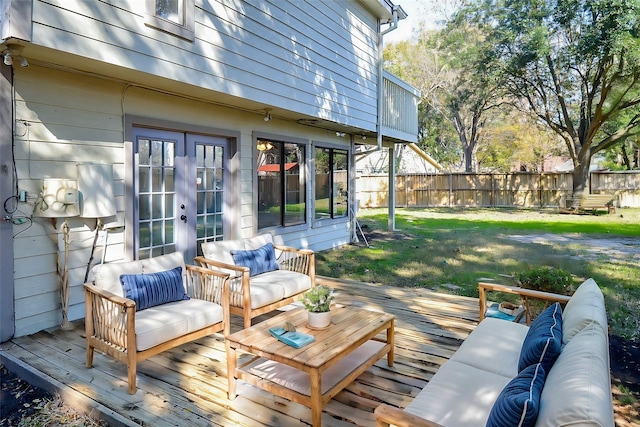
x: 188, y: 385
x: 400, y: 110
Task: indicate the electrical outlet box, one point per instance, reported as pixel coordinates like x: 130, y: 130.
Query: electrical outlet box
x: 102, y: 238
x: 23, y: 196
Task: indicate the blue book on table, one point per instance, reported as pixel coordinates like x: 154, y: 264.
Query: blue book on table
x: 294, y: 339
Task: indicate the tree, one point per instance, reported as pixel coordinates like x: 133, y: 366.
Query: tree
x: 455, y: 96
x: 573, y: 64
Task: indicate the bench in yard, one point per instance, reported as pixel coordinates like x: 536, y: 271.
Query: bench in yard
x: 590, y: 203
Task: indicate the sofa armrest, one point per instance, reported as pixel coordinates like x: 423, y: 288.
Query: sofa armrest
x: 298, y: 260
x: 483, y: 288
x: 238, y: 284
x: 109, y: 318
x: 209, y: 285
x: 220, y: 266
x: 390, y: 415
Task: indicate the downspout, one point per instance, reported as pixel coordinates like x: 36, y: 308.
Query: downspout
x: 392, y: 26
x: 392, y: 170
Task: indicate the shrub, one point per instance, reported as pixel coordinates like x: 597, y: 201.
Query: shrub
x: 547, y: 279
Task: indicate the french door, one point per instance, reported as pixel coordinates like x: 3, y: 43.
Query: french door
x: 179, y: 187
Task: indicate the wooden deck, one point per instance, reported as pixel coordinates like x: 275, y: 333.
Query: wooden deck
x: 188, y: 385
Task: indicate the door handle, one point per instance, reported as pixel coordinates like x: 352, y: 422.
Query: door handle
x: 183, y: 218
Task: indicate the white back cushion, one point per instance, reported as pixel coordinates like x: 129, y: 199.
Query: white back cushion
x: 257, y: 241
x: 586, y: 306
x: 577, y: 391
x: 221, y: 250
x: 107, y: 276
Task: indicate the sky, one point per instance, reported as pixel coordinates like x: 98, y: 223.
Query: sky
x: 418, y: 11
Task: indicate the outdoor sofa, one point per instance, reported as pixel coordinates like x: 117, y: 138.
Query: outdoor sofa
x: 169, y: 304
x: 264, y: 276
x: 495, y: 377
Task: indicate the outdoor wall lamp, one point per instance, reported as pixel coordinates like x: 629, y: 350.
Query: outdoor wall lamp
x: 267, y: 114
x: 59, y: 199
x: 14, y: 51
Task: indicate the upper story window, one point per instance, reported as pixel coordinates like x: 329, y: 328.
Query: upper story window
x: 281, y: 183
x: 332, y: 183
x: 176, y: 17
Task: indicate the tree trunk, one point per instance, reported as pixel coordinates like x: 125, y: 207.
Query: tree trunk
x: 580, y: 178
x: 468, y: 159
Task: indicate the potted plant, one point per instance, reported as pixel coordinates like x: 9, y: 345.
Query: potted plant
x: 317, y: 301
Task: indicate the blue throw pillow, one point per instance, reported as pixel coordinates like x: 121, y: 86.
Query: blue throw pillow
x: 544, y: 339
x: 259, y: 260
x: 148, y: 290
x: 519, y: 402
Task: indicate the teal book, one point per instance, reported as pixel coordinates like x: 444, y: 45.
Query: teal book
x: 294, y: 339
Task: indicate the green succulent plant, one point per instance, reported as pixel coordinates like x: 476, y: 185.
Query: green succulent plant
x: 318, y: 299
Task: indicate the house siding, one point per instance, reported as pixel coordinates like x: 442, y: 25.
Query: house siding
x: 66, y: 118
x: 316, y: 58
x: 97, y: 69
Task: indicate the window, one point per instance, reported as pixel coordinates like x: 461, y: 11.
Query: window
x: 281, y: 183
x: 332, y: 183
x: 176, y: 17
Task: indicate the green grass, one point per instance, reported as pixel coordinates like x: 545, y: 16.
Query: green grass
x: 450, y: 250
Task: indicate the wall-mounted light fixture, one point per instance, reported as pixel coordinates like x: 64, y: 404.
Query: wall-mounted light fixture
x: 14, y: 51
x: 97, y: 200
x: 267, y: 114
x: 59, y: 199
x: 340, y: 134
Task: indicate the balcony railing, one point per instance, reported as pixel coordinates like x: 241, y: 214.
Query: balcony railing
x: 400, y: 109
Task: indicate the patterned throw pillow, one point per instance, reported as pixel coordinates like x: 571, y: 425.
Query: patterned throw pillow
x: 259, y: 260
x: 544, y: 339
x: 149, y: 290
x: 519, y: 402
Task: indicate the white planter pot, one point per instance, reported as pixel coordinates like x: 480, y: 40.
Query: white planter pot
x: 319, y: 320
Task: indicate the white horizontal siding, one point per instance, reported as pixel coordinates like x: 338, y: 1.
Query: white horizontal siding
x: 65, y: 118
x: 316, y: 58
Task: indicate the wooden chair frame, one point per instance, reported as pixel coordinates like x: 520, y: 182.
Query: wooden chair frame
x: 110, y: 320
x: 292, y: 259
x: 525, y: 295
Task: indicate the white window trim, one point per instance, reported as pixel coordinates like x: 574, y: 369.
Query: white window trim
x: 186, y: 31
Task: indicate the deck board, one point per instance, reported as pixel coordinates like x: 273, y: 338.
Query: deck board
x: 187, y: 385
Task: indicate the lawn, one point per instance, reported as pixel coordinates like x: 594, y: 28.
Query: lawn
x: 450, y: 250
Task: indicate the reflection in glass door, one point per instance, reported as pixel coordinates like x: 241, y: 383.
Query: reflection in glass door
x: 210, y: 174
x: 156, y: 196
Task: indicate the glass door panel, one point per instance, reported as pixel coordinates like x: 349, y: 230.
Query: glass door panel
x: 210, y: 175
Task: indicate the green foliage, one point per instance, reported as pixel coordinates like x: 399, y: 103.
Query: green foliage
x: 547, y: 279
x: 318, y: 299
x: 451, y: 250
x: 573, y: 64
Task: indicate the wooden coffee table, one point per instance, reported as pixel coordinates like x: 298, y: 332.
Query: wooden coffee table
x: 314, y: 374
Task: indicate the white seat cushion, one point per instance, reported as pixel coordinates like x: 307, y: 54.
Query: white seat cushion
x: 458, y: 395
x: 265, y: 293
x: 494, y: 346
x: 162, y: 323
x: 291, y: 282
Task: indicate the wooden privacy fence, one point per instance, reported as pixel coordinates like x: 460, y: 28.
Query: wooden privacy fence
x: 518, y: 189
